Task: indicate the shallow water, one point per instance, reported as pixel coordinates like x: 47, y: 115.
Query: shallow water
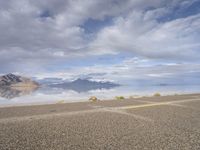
x: 45, y: 95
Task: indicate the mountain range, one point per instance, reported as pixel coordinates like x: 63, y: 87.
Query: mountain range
x: 12, y: 86
x: 84, y: 85
x: 11, y: 80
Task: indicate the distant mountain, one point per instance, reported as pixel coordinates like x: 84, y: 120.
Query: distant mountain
x: 12, y: 80
x: 84, y: 85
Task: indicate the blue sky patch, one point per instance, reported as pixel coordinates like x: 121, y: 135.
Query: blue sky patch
x: 93, y: 25
x: 181, y: 12
x: 46, y: 14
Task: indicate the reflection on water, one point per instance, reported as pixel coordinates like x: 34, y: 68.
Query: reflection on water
x: 51, y: 93
x: 13, y: 92
x: 48, y: 94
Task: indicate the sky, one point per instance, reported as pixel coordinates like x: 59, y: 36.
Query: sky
x: 100, y: 39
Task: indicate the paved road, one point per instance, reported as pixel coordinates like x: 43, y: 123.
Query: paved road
x: 167, y: 123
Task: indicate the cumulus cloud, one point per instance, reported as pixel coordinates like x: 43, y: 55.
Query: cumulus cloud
x: 141, y: 33
x: 37, y: 34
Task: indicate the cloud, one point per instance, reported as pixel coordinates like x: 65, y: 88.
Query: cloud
x: 36, y: 35
x: 144, y: 36
x: 131, y: 70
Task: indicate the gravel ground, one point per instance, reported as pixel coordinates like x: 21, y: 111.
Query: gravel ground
x: 167, y: 123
